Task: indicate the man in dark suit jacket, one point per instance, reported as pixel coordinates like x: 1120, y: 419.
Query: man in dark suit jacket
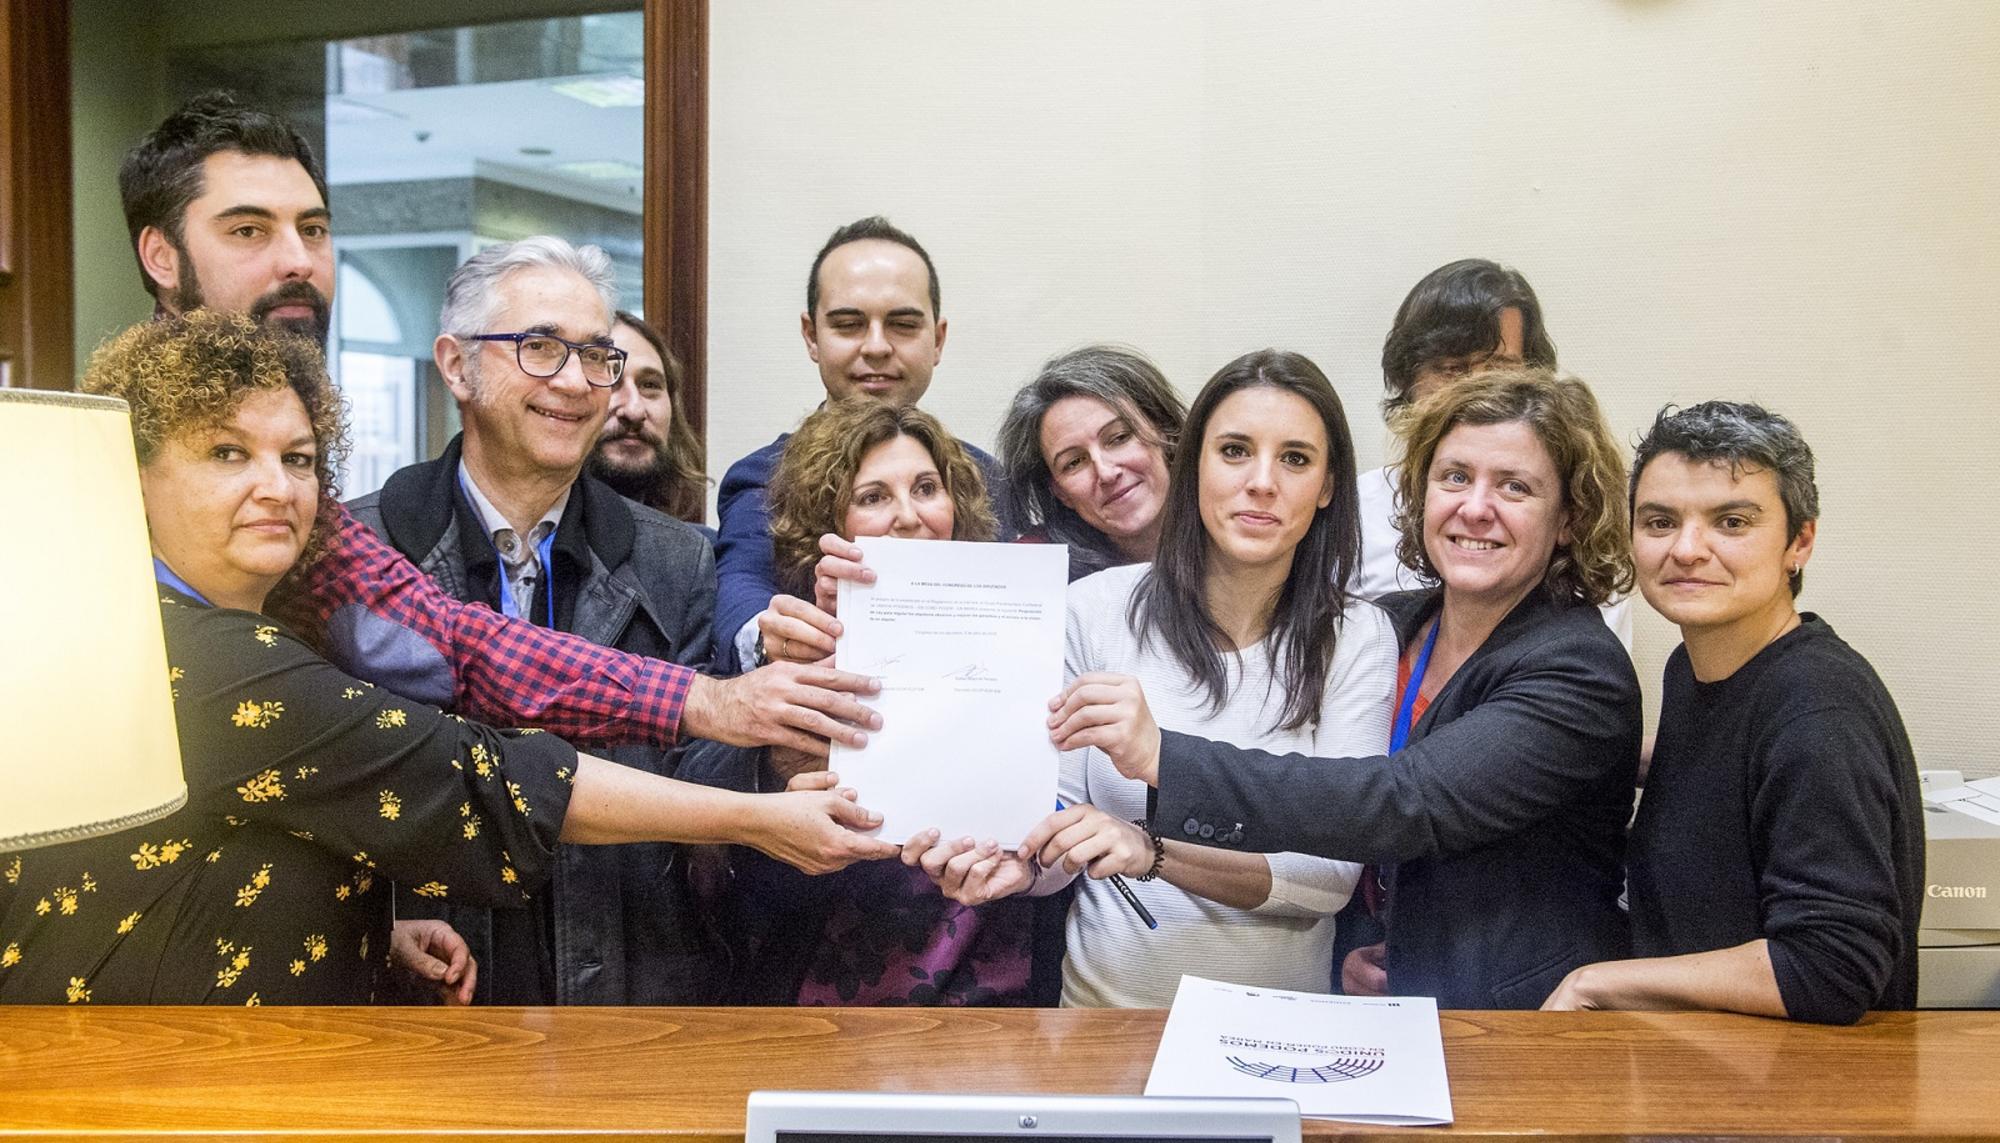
x: 505, y: 518
x: 873, y: 327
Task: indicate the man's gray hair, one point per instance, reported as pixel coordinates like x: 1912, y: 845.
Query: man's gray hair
x: 469, y: 296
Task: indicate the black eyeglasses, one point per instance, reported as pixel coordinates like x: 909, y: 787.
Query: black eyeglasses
x: 544, y: 355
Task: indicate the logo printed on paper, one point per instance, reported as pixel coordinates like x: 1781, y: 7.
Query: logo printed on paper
x: 1319, y: 1063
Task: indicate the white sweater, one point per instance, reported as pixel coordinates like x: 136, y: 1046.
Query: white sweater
x: 1287, y: 942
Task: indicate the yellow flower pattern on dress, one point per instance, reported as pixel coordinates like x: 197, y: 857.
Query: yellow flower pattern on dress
x: 257, y: 715
x: 229, y: 974
x: 152, y: 856
x: 334, y: 785
x: 259, y: 881
x: 255, y: 1001
x: 265, y: 787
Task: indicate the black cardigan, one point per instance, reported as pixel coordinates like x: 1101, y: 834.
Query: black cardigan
x: 1505, y: 814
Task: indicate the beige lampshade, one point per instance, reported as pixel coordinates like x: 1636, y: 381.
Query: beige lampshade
x: 86, y: 709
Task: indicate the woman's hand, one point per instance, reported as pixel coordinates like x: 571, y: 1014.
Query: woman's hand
x: 839, y: 560
x: 795, y: 631
x: 812, y: 826
x: 1085, y: 839
x: 1109, y: 712
x: 432, y: 951
x: 968, y: 873
x: 1364, y: 971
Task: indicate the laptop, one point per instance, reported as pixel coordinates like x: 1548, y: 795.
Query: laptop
x: 854, y: 1116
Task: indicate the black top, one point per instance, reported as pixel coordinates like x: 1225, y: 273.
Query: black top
x: 1782, y: 804
x: 1506, y: 810
x: 308, y: 790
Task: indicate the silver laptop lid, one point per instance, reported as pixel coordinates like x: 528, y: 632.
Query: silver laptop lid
x: 851, y: 1116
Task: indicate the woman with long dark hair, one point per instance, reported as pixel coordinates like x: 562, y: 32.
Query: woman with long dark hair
x: 1085, y: 448
x: 1241, y: 629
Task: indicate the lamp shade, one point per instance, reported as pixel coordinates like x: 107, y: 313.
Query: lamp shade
x: 86, y: 707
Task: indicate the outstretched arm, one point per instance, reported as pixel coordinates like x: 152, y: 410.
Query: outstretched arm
x: 385, y: 620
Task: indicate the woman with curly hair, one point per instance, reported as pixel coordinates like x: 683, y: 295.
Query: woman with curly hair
x: 1498, y: 814
x: 309, y: 791
x: 878, y: 933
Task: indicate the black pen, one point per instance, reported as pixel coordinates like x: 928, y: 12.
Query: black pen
x: 1124, y: 890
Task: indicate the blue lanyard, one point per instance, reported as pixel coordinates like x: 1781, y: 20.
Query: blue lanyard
x: 1399, y: 731
x: 166, y: 576
x: 543, y: 554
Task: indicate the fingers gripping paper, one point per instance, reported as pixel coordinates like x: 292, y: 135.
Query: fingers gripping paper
x: 967, y: 639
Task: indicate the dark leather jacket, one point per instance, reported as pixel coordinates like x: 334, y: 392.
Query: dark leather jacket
x: 617, y: 924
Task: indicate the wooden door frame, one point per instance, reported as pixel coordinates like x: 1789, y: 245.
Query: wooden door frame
x: 675, y: 271
x: 37, y: 303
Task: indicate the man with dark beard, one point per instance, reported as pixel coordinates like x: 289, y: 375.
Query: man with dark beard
x: 227, y: 210
x: 647, y: 451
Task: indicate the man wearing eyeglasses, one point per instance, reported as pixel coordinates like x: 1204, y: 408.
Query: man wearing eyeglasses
x: 507, y: 518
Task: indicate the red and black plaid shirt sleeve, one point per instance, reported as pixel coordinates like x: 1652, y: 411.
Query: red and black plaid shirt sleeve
x: 504, y: 671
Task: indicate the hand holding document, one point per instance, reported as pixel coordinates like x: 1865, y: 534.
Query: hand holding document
x: 967, y: 639
x: 1364, y: 1059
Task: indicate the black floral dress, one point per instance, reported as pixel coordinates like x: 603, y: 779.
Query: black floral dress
x: 308, y: 793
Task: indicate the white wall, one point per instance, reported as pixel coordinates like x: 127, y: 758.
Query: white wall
x: 1788, y: 202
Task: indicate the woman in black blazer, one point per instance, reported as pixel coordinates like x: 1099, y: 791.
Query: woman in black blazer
x: 1504, y: 800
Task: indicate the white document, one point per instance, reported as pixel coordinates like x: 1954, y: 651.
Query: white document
x: 967, y: 639
x: 1363, y: 1059
x: 1980, y: 799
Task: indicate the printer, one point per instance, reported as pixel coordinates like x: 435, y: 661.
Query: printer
x: 1958, y: 935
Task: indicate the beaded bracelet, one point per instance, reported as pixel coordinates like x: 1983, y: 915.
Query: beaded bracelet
x: 1159, y: 849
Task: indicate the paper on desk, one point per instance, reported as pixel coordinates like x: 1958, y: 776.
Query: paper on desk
x: 1359, y: 1058
x: 967, y: 639
x: 1980, y: 799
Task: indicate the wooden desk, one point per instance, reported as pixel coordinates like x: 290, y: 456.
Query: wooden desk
x: 684, y: 1072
